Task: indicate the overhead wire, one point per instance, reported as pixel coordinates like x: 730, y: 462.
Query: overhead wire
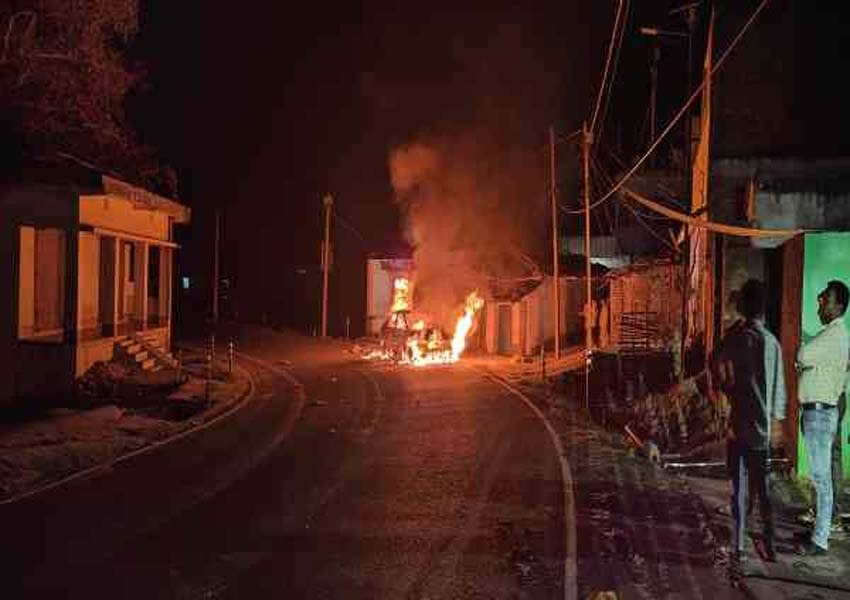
x: 649, y: 228
x: 598, y: 135
x: 604, y: 83
x: 344, y: 222
x: 598, y: 184
x: 579, y: 211
x: 669, y: 195
x: 696, y: 93
x: 603, y: 175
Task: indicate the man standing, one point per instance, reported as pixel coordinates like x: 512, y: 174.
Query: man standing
x: 748, y: 366
x: 822, y: 363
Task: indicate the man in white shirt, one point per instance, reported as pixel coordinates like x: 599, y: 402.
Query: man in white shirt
x: 822, y: 366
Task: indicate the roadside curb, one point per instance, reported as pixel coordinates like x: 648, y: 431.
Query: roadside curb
x: 570, y: 559
x: 107, y: 466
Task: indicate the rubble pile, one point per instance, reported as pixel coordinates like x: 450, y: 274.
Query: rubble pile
x: 681, y: 420
x: 103, y: 381
x: 640, y: 396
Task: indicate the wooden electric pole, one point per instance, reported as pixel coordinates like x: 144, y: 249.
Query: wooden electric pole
x: 556, y: 297
x: 588, y: 296
x: 326, y: 260
x: 216, y: 259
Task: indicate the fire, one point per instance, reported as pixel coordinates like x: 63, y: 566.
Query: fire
x: 401, y: 295
x: 464, y: 324
x: 422, y: 344
x: 435, y: 350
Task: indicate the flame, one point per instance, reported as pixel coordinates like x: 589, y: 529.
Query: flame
x: 427, y: 345
x: 435, y: 352
x: 401, y: 295
x: 464, y: 324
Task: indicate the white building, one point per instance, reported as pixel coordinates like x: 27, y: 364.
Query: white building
x: 91, y: 272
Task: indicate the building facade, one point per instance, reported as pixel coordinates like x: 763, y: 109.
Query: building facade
x: 91, y: 266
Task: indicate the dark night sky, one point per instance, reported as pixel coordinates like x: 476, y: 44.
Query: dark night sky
x: 264, y: 109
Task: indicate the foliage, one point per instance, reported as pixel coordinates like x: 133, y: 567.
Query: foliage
x: 66, y: 71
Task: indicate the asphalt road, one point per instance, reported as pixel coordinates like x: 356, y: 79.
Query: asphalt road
x: 368, y: 482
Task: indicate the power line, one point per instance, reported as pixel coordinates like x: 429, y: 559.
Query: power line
x: 604, y: 82
x: 349, y: 227
x: 598, y: 135
x: 607, y: 179
x: 580, y: 211
x: 646, y: 226
x: 697, y: 92
x: 598, y: 184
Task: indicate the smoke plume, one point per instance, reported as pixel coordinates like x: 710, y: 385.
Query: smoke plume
x: 472, y: 211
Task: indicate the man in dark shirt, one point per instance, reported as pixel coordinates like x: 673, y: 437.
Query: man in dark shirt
x: 749, y: 369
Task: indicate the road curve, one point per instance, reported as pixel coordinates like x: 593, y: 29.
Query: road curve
x: 392, y: 483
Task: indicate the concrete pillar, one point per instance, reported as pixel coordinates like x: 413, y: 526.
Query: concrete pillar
x: 26, y: 282
x: 108, y: 288
x: 88, y: 285
x: 165, y: 266
x: 166, y: 281
x: 55, y: 262
x: 68, y: 284
x: 142, y: 282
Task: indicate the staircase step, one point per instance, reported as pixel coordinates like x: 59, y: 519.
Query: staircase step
x: 126, y: 342
x: 148, y: 364
x: 141, y: 356
x: 155, y: 342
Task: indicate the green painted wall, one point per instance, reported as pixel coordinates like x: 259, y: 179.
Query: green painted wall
x: 827, y: 256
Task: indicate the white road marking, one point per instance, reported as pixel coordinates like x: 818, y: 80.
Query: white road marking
x: 570, y: 569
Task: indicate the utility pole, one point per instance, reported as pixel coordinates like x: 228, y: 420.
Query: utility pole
x: 653, y: 93
x: 556, y: 306
x: 216, y: 277
x: 216, y: 266
x: 326, y: 260
x: 588, y: 311
x: 690, y: 11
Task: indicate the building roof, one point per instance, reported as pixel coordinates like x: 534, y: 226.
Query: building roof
x: 511, y: 290
x: 86, y: 179
x: 146, y: 200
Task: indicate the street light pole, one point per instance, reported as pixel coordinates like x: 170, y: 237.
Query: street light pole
x: 326, y: 259
x: 556, y: 307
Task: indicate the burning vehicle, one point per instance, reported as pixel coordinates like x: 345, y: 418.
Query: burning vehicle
x: 419, y: 343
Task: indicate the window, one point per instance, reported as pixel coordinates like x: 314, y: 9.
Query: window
x: 41, y: 285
